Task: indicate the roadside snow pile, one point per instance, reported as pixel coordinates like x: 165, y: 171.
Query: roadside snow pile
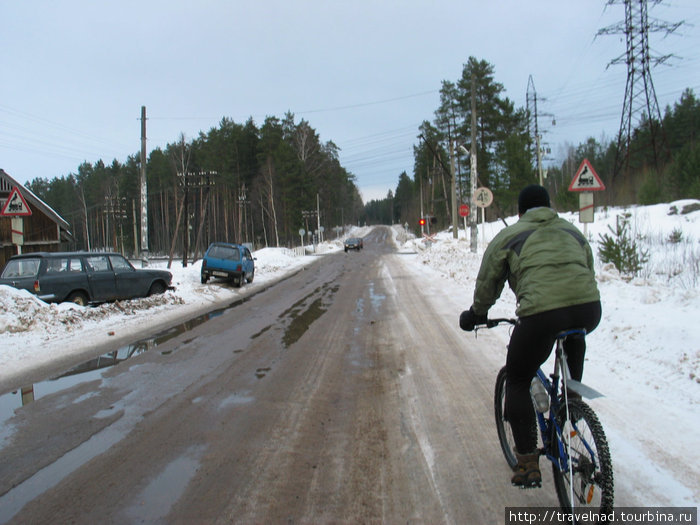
x: 28, y: 322
x: 22, y: 309
x: 24, y: 312
x: 270, y: 260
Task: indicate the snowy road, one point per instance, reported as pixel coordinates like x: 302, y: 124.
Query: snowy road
x: 345, y: 393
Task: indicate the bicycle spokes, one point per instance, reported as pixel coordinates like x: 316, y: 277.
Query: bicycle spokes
x: 586, y: 477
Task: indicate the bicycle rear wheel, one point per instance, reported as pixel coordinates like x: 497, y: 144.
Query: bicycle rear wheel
x: 590, y: 460
x: 505, y: 435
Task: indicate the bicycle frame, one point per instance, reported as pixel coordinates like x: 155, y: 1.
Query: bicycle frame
x: 555, y: 444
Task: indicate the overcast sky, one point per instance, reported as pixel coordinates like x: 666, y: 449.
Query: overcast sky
x: 363, y: 73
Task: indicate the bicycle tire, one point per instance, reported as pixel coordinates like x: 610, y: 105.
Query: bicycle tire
x: 505, y: 435
x: 593, y: 480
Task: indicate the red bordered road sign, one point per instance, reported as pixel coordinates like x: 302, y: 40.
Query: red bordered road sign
x: 586, y: 179
x: 15, y: 206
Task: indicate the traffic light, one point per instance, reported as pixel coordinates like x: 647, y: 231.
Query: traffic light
x: 421, y: 222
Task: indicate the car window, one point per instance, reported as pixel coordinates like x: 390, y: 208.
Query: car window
x: 74, y: 265
x: 120, y: 264
x: 56, y: 265
x: 21, y: 268
x: 97, y: 263
x: 225, y: 252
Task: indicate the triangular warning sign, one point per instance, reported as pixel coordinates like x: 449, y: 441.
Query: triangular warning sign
x: 586, y: 179
x: 15, y: 206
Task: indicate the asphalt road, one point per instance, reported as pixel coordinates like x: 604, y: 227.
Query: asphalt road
x: 335, y: 396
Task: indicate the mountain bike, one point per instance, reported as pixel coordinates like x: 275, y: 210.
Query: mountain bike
x: 572, y: 437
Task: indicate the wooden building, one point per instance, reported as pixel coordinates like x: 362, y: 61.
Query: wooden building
x: 44, y: 230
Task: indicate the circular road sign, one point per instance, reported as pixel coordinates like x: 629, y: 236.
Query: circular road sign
x: 483, y: 197
x: 464, y: 210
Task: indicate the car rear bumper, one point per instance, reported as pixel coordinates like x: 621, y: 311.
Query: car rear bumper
x: 223, y: 274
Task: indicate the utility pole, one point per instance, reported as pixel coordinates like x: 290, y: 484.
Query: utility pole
x: 421, y: 200
x: 144, y: 192
x: 473, y: 175
x: 539, y: 160
x: 192, y: 179
x: 318, y: 218
x: 455, y: 232
x: 533, y: 126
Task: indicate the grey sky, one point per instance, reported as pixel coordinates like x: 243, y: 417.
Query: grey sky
x: 364, y: 73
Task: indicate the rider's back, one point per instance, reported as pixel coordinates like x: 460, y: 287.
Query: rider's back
x: 547, y: 261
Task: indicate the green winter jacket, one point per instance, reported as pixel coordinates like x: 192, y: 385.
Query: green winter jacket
x: 546, y: 260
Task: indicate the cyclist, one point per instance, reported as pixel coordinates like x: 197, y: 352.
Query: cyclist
x: 549, y: 266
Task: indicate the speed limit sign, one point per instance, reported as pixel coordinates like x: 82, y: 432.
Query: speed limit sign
x: 483, y: 197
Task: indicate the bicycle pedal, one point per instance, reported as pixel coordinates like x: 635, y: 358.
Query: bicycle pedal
x: 533, y: 485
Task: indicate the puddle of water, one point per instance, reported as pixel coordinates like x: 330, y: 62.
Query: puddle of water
x: 154, y: 503
x: 261, y: 332
x: 262, y: 372
x: 13, y: 501
x: 93, y: 369
x: 300, y: 323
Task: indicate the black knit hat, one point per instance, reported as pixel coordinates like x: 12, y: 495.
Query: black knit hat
x: 532, y: 196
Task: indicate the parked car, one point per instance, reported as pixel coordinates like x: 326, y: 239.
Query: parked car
x: 353, y: 243
x: 82, y: 277
x: 228, y: 261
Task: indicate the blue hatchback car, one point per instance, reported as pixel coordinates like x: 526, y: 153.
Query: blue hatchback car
x: 228, y: 261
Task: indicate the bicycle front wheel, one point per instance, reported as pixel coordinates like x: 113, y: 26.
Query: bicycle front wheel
x: 505, y: 435
x: 590, y: 480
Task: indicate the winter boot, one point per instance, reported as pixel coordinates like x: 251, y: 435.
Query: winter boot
x: 527, y: 471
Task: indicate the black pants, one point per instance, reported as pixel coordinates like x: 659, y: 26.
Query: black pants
x: 530, y: 345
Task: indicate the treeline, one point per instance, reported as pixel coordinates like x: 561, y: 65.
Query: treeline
x: 243, y: 183
x: 507, y: 157
x: 235, y: 183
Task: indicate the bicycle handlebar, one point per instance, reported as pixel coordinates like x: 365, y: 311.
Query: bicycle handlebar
x: 490, y: 323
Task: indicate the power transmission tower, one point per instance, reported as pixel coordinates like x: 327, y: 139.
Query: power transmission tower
x: 641, y: 104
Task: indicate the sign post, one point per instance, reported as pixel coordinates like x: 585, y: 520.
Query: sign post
x: 483, y: 199
x: 302, y: 231
x: 586, y: 181
x: 16, y: 207
x: 464, y: 213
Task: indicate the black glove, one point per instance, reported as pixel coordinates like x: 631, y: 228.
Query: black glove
x: 468, y: 320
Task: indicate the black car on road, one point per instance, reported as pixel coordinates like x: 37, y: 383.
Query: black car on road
x: 353, y: 243
x: 82, y: 277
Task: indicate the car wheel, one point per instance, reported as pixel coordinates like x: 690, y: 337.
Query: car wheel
x: 249, y: 279
x: 237, y: 281
x: 205, y: 278
x: 156, y: 288
x: 78, y: 298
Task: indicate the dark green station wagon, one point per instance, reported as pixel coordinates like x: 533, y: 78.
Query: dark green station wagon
x: 82, y: 277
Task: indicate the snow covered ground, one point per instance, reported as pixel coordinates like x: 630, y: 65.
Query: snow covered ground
x: 645, y: 355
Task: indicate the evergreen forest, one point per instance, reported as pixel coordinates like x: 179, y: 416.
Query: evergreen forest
x: 261, y: 185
